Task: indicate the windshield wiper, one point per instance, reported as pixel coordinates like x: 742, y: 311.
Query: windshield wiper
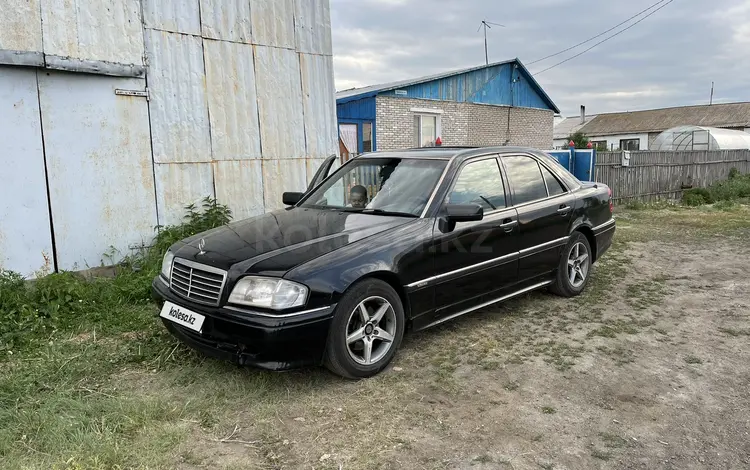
x: 385, y: 212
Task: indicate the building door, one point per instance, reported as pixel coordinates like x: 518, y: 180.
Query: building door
x: 348, y: 141
x: 99, y: 166
x: 25, y: 234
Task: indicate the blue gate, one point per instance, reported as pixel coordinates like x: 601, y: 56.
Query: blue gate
x: 579, y: 162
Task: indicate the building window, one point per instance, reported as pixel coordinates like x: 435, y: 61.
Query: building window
x: 367, y: 137
x: 426, y: 129
x: 600, y: 145
x: 630, y: 144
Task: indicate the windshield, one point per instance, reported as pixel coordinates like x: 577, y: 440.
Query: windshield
x: 387, y: 185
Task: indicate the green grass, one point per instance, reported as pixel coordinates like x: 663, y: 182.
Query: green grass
x: 90, y: 379
x: 724, y: 193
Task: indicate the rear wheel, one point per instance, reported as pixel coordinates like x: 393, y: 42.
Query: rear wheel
x: 366, y: 331
x: 574, y: 268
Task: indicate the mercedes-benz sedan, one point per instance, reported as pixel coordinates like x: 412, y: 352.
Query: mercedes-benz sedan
x: 389, y: 242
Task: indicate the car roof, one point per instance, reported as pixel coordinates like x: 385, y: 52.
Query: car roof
x: 446, y: 153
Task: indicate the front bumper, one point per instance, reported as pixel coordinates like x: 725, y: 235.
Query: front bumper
x: 251, y: 339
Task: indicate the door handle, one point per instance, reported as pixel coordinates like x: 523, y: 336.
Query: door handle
x: 564, y: 209
x: 508, y: 225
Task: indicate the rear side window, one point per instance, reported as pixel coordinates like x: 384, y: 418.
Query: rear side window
x: 554, y: 186
x: 525, y: 179
x: 479, y: 183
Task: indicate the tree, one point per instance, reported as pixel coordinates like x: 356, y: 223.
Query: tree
x: 579, y: 138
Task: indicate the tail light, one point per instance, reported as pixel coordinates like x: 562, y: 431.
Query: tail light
x: 611, y: 204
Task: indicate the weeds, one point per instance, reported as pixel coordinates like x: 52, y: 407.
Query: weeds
x: 722, y: 192
x: 30, y: 312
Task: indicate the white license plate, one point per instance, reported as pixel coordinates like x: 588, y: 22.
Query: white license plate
x: 182, y: 316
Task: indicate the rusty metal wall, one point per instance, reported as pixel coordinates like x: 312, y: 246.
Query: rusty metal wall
x: 180, y: 16
x: 179, y: 107
x: 21, y: 26
x: 280, y: 176
x: 93, y: 30
x: 273, y: 22
x: 232, y: 100
x: 25, y: 236
x: 180, y: 184
x: 312, y: 23
x: 282, y: 127
x: 239, y: 184
x: 319, y: 101
x: 226, y: 20
x: 99, y: 166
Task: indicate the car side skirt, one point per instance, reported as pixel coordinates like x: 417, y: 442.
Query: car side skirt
x: 530, y: 288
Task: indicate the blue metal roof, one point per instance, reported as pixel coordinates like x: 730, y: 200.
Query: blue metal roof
x: 488, y: 84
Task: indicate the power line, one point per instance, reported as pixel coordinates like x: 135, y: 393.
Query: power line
x: 598, y: 35
x: 602, y: 41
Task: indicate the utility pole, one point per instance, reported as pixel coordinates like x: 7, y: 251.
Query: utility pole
x: 711, y: 101
x: 486, y: 24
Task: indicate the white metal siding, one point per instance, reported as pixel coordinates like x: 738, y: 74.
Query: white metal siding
x: 179, y: 109
x: 99, y: 165
x: 273, y: 22
x: 312, y: 24
x: 25, y: 237
x: 93, y: 30
x: 232, y: 100
x: 181, y: 16
x: 282, y: 127
x: 227, y: 20
x: 280, y: 176
x: 21, y: 26
x: 180, y: 184
x: 318, y: 96
x: 240, y: 185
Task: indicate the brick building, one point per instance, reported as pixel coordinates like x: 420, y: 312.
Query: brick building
x: 496, y: 104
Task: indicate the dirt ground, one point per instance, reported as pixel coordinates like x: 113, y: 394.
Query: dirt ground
x: 650, y: 368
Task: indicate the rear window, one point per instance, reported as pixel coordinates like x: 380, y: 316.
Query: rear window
x: 525, y: 179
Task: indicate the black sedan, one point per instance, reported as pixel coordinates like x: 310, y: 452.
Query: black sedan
x: 389, y: 242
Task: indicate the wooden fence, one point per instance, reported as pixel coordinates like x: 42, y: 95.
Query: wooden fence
x: 664, y: 175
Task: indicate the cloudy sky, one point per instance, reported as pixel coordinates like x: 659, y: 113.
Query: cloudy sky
x: 669, y: 59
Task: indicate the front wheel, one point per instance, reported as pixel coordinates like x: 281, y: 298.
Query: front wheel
x: 366, y: 331
x: 575, y: 267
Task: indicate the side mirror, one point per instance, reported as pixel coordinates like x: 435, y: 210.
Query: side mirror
x: 463, y: 212
x: 291, y: 198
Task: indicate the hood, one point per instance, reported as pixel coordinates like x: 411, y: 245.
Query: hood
x: 276, y: 242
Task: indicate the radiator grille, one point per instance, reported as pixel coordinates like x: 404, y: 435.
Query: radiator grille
x: 199, y: 283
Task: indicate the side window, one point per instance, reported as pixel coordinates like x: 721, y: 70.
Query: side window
x: 554, y: 186
x: 479, y: 183
x: 525, y: 179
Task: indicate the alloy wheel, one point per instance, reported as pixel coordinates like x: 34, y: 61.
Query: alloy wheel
x: 578, y: 265
x: 370, y: 330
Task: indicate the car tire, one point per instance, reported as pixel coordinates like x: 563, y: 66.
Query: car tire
x: 574, y: 270
x: 361, y: 344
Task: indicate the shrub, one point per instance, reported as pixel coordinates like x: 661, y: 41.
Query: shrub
x: 693, y: 199
x: 733, y: 173
x: 31, y: 310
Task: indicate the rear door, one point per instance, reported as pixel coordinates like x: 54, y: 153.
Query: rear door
x: 545, y: 206
x: 474, y: 260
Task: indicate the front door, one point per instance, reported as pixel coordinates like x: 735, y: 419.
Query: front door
x: 474, y: 260
x: 544, y: 208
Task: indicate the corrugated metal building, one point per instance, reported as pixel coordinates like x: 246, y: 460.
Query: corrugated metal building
x: 114, y: 115
x: 495, y: 104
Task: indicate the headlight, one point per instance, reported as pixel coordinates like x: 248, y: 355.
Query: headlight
x: 166, y: 265
x: 268, y: 292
